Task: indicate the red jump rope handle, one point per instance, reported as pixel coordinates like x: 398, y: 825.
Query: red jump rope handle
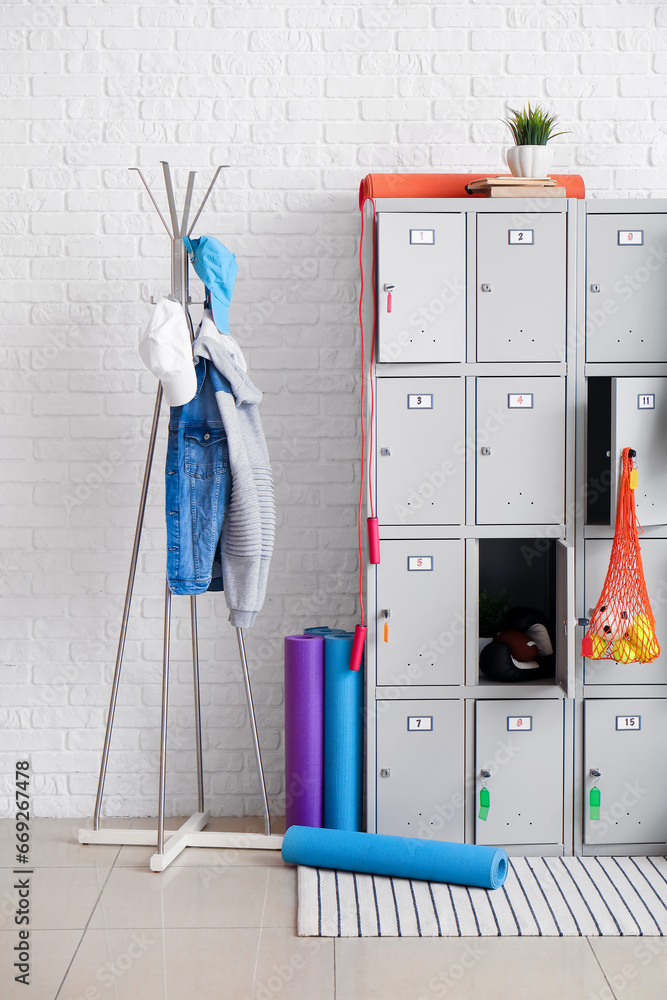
x: 373, y: 541
x: 358, y: 644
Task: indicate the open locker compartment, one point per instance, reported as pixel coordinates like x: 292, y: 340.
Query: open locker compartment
x: 535, y: 573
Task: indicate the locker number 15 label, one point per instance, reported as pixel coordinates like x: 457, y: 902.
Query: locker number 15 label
x: 628, y: 722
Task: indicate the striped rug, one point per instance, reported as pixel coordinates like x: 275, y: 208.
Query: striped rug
x: 542, y: 897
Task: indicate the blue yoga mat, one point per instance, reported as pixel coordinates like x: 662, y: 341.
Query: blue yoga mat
x: 343, y: 735
x: 324, y: 630
x: 400, y: 857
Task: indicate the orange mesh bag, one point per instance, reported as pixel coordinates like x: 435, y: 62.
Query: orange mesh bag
x: 622, y: 626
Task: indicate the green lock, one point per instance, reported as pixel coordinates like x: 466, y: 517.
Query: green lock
x: 484, y: 803
x: 594, y: 803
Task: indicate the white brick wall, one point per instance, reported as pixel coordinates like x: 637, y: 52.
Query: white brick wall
x: 301, y: 99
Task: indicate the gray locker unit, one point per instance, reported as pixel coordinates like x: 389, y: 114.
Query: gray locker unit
x: 654, y: 559
x: 626, y: 291
x: 420, y: 596
x: 520, y: 450
x: 639, y: 421
x: 421, y: 287
x: 519, y: 758
x: 420, y: 779
x: 626, y: 742
x: 521, y: 287
x: 420, y: 450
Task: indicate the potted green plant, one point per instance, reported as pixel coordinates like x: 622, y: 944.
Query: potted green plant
x: 531, y: 130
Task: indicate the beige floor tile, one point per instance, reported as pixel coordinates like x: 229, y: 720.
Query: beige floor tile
x: 55, y: 843
x: 635, y: 968
x: 467, y: 969
x: 50, y: 952
x: 197, y: 897
x: 60, y: 898
x: 206, y: 964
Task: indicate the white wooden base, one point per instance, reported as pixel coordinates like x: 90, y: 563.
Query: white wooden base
x: 190, y: 834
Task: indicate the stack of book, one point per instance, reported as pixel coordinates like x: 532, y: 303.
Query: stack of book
x: 507, y: 186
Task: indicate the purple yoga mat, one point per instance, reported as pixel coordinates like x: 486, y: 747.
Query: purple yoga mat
x: 304, y: 729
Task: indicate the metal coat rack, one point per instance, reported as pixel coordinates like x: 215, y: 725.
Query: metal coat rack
x: 191, y: 833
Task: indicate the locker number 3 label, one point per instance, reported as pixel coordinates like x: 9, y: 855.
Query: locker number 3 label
x: 420, y: 563
x: 420, y: 402
x: 521, y: 237
x: 628, y: 722
x: 423, y: 723
x: 515, y: 723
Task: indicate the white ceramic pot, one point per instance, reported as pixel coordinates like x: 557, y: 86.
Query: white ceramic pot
x: 529, y: 161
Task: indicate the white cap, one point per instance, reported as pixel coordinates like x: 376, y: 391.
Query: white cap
x: 166, y: 349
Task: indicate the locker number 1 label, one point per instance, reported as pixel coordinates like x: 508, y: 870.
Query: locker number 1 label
x: 628, y: 722
x: 521, y: 237
x: 646, y: 402
x: 631, y: 237
x: 423, y: 723
x: 515, y: 723
x: 420, y: 402
x: 520, y: 400
x: 423, y: 236
x: 420, y: 563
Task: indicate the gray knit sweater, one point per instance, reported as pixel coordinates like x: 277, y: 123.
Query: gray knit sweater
x: 249, y: 526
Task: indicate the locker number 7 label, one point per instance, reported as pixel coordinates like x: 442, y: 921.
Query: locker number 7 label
x: 420, y: 723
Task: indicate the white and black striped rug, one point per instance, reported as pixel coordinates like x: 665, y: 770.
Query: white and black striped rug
x: 542, y: 897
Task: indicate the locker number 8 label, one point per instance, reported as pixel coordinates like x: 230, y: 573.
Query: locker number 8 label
x: 628, y: 722
x: 515, y: 723
x: 420, y: 563
x: 521, y: 237
x: 420, y: 402
x: 421, y: 723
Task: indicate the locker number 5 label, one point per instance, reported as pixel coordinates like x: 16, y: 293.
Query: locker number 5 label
x: 628, y: 722
x: 420, y: 563
x: 421, y: 723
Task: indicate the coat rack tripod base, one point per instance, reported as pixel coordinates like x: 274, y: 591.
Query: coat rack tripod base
x: 191, y: 833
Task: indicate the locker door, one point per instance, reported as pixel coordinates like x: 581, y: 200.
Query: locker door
x: 626, y: 741
x: 521, y: 287
x: 421, y: 286
x: 521, y: 744
x: 421, y: 586
x: 420, y: 782
x: 520, y: 450
x: 626, y: 291
x: 420, y: 450
x: 654, y: 560
x: 565, y: 618
x: 639, y: 421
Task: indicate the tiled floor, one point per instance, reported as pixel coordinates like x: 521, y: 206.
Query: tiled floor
x: 103, y: 927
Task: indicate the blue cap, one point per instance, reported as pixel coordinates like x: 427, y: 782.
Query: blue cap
x: 217, y: 268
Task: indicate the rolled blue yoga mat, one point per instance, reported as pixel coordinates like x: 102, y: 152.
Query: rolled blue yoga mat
x: 400, y: 857
x: 324, y: 630
x: 343, y: 735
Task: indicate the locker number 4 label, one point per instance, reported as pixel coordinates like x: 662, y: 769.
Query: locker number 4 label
x: 420, y: 402
x: 646, y: 402
x: 420, y: 563
x: 521, y: 237
x: 628, y: 722
x: 520, y: 400
x: 423, y: 723
x: 515, y: 723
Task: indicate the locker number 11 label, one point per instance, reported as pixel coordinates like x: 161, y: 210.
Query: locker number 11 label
x: 646, y: 402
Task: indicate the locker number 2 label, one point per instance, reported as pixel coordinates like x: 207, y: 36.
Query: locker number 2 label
x: 520, y: 400
x: 420, y: 402
x: 521, y: 237
x: 631, y: 237
x: 646, y: 401
x: 628, y: 722
x: 515, y: 723
x: 423, y: 723
x: 420, y: 563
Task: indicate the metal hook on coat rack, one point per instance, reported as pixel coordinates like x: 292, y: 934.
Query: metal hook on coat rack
x: 191, y: 833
